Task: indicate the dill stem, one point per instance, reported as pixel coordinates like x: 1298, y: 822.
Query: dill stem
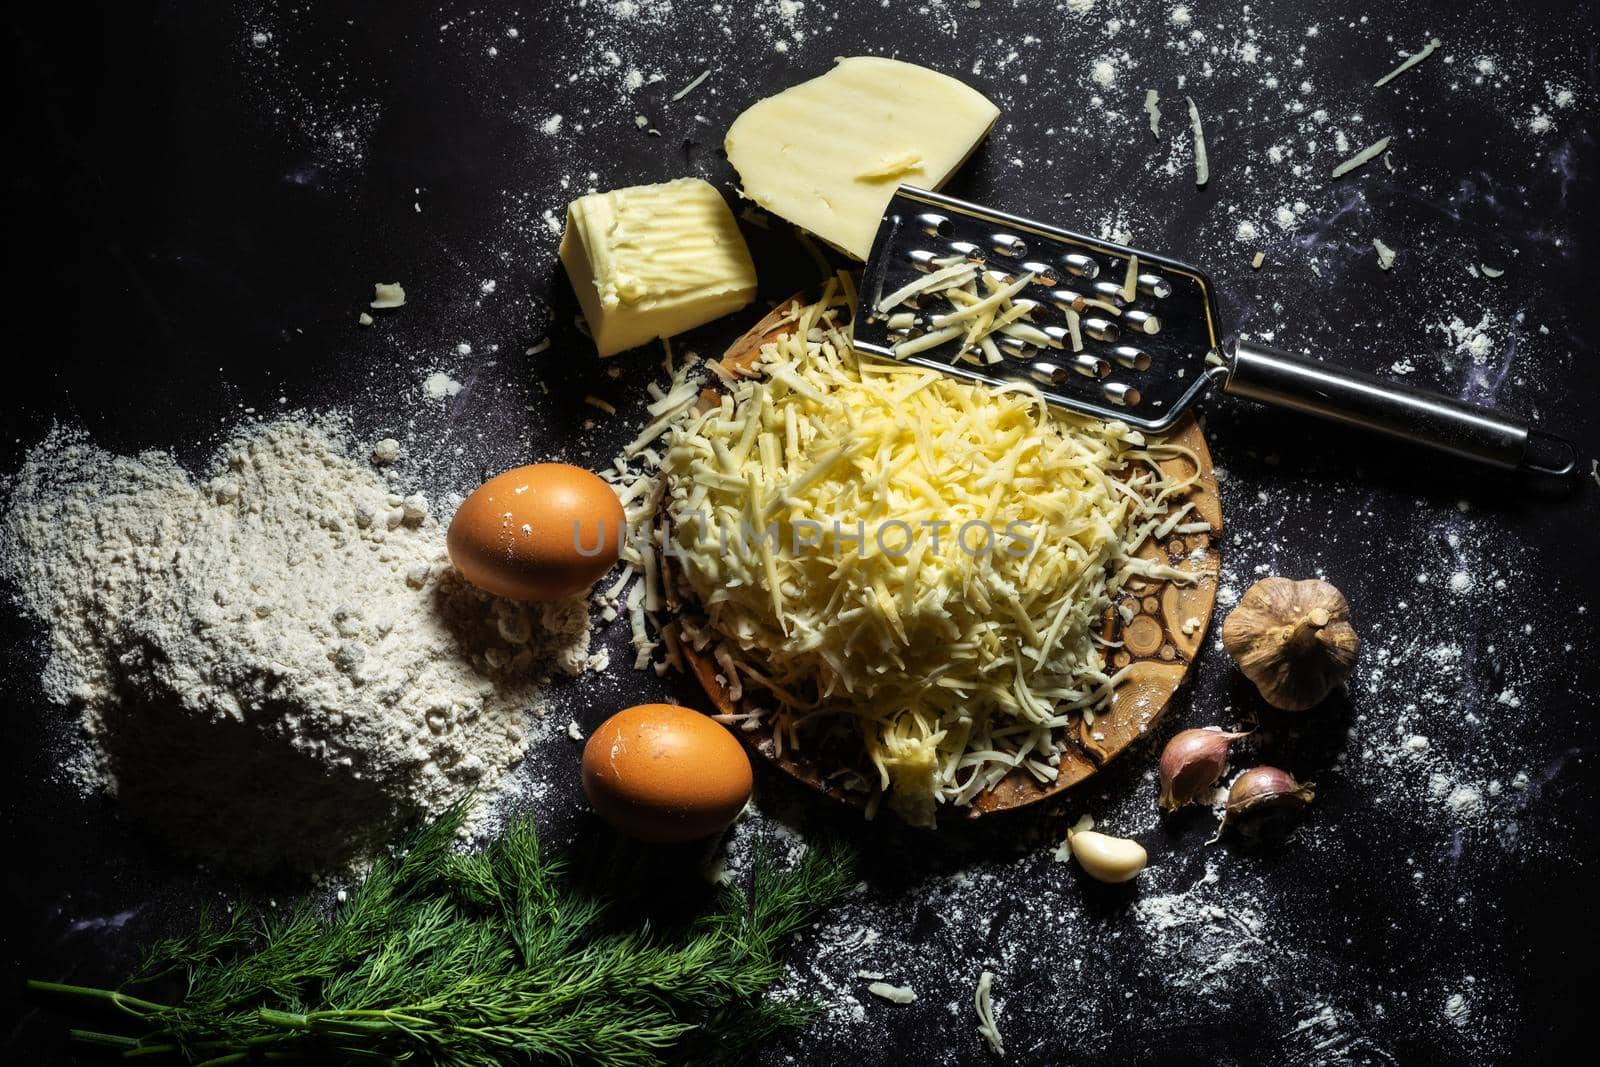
x: 103, y: 1040
x: 354, y: 1026
x: 364, y: 1019
x: 170, y: 1047
x: 131, y: 1005
x: 361, y: 1013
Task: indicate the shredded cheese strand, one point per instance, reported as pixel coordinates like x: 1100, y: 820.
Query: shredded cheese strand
x: 1363, y: 157
x: 983, y: 1004
x: 1202, y: 166
x: 1410, y: 61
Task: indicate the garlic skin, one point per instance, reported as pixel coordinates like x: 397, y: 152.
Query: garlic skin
x: 1191, y: 763
x: 1265, y: 804
x: 1293, y: 640
x: 1105, y: 858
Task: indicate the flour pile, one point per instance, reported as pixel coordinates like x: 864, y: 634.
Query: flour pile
x: 276, y: 664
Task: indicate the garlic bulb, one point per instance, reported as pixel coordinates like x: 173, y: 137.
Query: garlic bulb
x: 1265, y: 804
x: 1293, y: 640
x: 1191, y: 763
x: 1106, y: 858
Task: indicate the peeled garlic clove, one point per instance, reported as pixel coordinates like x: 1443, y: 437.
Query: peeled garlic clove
x: 1191, y: 763
x: 1265, y: 804
x: 1106, y: 858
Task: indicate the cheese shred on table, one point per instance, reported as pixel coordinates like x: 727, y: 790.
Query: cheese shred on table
x: 919, y: 561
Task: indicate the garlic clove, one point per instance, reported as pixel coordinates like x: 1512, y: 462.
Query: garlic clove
x: 1106, y: 858
x: 1191, y: 763
x: 1265, y: 804
x: 1293, y: 640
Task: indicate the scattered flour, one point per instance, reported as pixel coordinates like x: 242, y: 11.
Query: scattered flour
x: 1465, y: 800
x: 1204, y: 935
x: 653, y: 11
x: 1474, y: 342
x: 440, y: 385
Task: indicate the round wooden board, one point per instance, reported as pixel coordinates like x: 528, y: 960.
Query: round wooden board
x: 1160, y: 639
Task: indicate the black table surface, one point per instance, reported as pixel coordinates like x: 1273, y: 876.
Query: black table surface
x: 201, y: 196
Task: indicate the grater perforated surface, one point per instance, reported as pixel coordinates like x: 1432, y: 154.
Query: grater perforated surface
x: 1143, y: 363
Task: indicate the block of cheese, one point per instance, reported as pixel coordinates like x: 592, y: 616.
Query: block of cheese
x: 652, y: 261
x: 828, y: 153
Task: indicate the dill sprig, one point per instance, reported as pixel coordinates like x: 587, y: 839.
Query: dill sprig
x: 465, y: 959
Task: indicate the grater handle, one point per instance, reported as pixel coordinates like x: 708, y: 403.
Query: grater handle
x: 1286, y: 380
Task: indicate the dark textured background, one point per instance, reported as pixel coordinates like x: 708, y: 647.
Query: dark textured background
x: 200, y: 196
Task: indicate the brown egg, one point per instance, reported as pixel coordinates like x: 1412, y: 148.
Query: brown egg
x: 540, y: 532
x: 658, y: 772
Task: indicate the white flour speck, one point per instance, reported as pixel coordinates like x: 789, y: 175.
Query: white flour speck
x: 440, y: 385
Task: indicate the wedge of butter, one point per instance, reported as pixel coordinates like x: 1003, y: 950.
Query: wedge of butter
x: 828, y: 153
x: 652, y: 261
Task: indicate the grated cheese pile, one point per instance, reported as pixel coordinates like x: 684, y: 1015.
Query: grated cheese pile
x: 953, y: 664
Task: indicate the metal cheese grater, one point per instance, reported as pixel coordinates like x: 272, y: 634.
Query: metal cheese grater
x: 1145, y: 360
